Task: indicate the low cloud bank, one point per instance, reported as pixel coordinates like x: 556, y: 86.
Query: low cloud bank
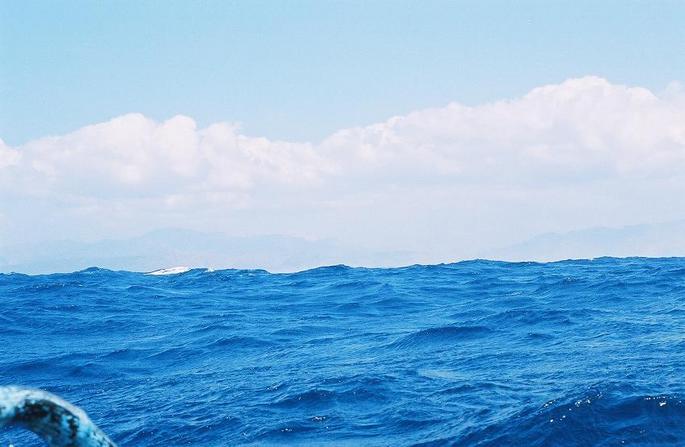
x: 598, y: 148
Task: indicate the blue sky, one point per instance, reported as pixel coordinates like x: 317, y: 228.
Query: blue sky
x: 300, y: 70
x: 438, y: 130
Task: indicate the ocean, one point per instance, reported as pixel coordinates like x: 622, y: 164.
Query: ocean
x: 475, y: 353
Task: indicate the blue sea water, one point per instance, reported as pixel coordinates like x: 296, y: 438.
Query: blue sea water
x: 474, y: 353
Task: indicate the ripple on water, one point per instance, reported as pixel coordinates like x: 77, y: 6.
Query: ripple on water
x: 477, y: 353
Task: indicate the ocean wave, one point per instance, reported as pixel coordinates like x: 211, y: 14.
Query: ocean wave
x: 476, y: 353
x: 442, y: 335
x: 596, y: 418
x: 169, y: 271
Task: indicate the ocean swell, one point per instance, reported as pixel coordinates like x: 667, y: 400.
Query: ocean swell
x: 479, y: 353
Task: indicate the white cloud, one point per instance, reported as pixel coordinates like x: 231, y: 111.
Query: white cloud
x: 580, y: 129
x: 552, y: 144
x: 8, y: 156
x: 134, y: 156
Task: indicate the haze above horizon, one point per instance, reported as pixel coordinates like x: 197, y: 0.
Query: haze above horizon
x: 443, y: 129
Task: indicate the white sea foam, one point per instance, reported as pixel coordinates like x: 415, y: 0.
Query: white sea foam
x: 170, y: 271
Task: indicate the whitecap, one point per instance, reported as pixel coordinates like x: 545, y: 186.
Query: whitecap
x: 170, y: 271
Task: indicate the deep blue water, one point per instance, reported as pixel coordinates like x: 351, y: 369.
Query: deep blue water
x: 472, y: 353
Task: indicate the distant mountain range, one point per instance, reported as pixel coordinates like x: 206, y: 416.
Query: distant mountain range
x: 276, y: 253
x: 174, y: 247
x: 649, y: 240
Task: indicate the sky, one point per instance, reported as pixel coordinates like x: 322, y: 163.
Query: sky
x: 446, y: 128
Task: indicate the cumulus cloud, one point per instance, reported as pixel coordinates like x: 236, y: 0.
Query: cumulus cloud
x: 8, y: 156
x: 579, y: 130
x: 132, y: 155
x: 554, y: 143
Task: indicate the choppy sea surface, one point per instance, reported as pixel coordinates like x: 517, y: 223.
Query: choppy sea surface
x: 475, y: 353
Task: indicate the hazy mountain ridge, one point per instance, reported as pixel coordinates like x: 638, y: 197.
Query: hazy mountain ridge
x: 649, y: 240
x: 171, y: 247
x: 278, y: 253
